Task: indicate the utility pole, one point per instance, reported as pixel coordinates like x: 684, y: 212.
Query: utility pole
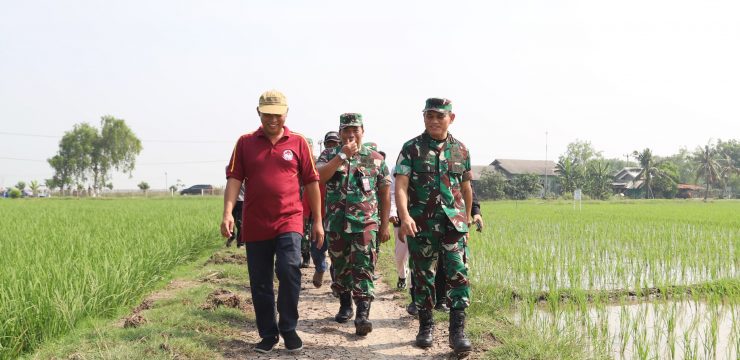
x: 546, y: 186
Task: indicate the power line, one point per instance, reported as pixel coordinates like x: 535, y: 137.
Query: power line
x: 142, y: 164
x: 185, y: 162
x: 29, y: 135
x: 19, y: 159
x: 143, y: 140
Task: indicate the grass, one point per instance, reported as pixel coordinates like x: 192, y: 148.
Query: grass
x: 63, y: 261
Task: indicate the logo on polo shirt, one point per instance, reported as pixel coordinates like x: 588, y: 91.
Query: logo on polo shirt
x: 288, y: 155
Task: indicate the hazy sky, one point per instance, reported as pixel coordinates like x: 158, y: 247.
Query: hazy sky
x: 186, y: 75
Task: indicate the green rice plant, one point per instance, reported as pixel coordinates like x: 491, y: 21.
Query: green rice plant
x: 672, y: 252
x: 65, y: 260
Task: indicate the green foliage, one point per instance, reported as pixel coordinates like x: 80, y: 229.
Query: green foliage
x: 143, y: 186
x: 84, y: 153
x: 581, y: 151
x: 491, y: 186
x: 524, y: 186
x: 21, y: 185
x: 708, y: 166
x: 730, y: 152
x: 570, y: 174
x: 616, y: 165
x: 34, y: 187
x: 650, y: 171
x: 666, y: 186
x: 52, y: 184
x: 578, y: 166
x: 15, y: 193
x: 683, y: 164
x: 598, y: 180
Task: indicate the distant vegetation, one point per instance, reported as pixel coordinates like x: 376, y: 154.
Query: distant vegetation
x: 713, y: 166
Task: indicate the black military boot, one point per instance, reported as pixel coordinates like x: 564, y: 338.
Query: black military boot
x: 426, y: 328
x: 306, y: 259
x: 458, y: 341
x: 345, y: 308
x: 362, y: 324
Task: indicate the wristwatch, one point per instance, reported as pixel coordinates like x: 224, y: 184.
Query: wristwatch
x: 342, y: 156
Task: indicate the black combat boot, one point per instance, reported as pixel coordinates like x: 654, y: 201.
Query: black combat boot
x: 345, y: 308
x: 306, y: 259
x: 426, y: 328
x: 458, y: 341
x: 362, y: 324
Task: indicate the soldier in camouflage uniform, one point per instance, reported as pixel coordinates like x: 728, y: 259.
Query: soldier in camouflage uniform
x: 357, y: 207
x: 434, y: 201
x: 374, y: 147
x: 305, y: 240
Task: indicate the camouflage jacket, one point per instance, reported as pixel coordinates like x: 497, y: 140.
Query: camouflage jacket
x: 351, y: 193
x: 436, y: 170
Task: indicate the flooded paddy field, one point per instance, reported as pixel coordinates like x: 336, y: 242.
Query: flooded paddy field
x: 627, y: 280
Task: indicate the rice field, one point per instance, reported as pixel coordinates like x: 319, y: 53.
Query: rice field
x: 627, y: 280
x: 623, y: 280
x: 64, y: 260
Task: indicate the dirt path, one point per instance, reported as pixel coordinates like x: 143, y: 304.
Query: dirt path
x: 392, y: 337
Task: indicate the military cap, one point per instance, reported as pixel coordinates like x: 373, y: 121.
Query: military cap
x: 373, y: 146
x: 332, y: 136
x: 438, y: 104
x: 350, y: 119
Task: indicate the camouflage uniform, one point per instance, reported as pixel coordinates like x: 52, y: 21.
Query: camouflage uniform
x: 352, y: 217
x: 374, y: 147
x: 436, y: 170
x: 307, y: 227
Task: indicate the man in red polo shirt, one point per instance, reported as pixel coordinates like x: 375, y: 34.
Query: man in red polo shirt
x: 273, y: 162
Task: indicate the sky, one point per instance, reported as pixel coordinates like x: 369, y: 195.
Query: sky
x: 186, y: 75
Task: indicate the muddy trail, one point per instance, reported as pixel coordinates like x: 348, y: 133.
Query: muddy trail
x: 392, y: 337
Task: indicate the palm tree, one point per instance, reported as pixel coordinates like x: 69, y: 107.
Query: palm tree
x: 569, y: 174
x: 648, y: 172
x: 729, y: 169
x: 708, y: 166
x: 599, y: 179
x: 34, y: 186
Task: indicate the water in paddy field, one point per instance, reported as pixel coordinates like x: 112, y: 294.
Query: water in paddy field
x: 650, y: 330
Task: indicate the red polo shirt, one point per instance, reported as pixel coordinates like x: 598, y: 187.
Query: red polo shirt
x: 307, y: 205
x: 273, y: 175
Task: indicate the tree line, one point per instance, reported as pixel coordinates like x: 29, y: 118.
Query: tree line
x: 713, y: 166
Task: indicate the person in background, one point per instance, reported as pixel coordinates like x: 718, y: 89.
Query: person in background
x: 331, y: 140
x: 318, y: 255
x: 237, y: 214
x: 305, y: 242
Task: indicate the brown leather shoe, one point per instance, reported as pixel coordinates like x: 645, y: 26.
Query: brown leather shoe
x: 318, y: 278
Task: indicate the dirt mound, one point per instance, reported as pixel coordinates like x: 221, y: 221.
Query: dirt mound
x: 221, y: 297
x: 145, y: 305
x: 219, y: 258
x: 135, y: 320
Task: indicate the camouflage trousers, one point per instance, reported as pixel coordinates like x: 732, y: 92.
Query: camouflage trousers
x: 353, y: 256
x: 439, y: 241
